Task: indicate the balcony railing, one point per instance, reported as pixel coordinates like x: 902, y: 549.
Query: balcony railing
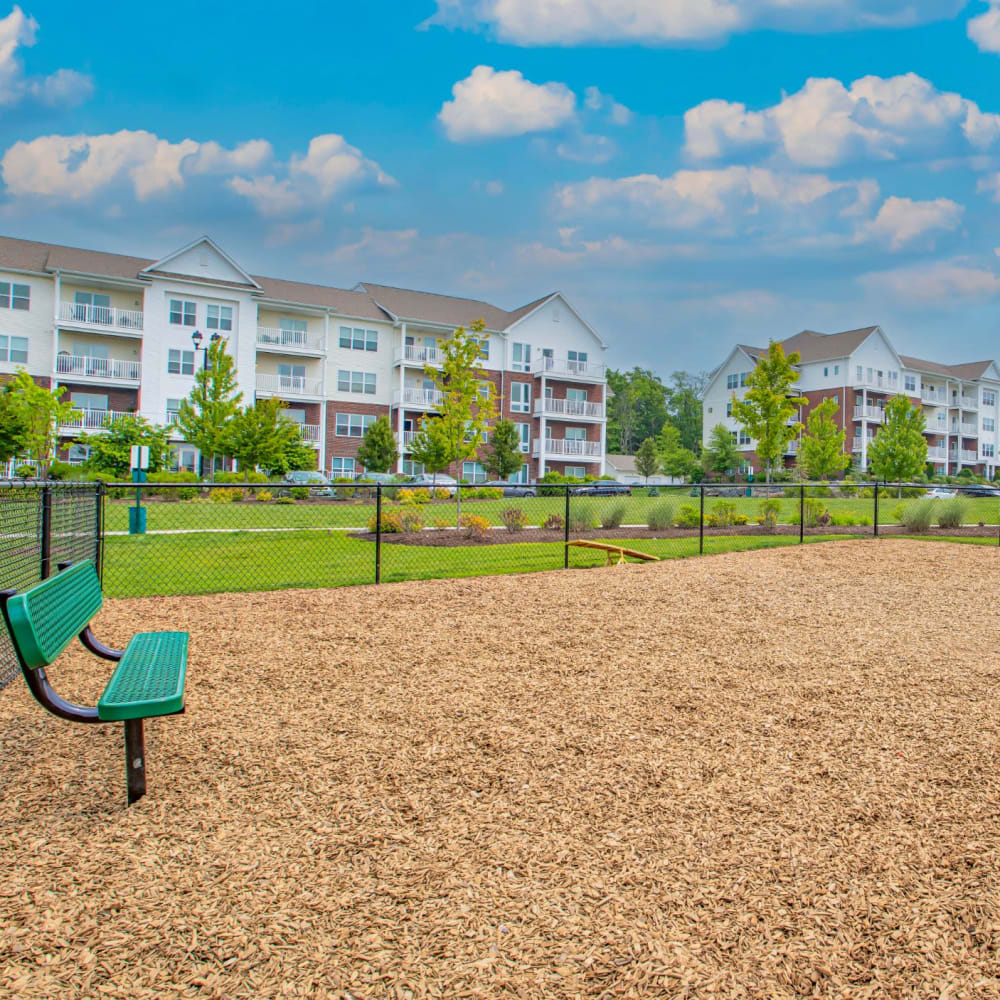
x: 309, y: 433
x: 287, y: 340
x: 415, y: 354
x: 587, y: 450
x: 90, y: 420
x: 929, y: 395
x: 966, y: 430
x: 874, y: 414
x: 289, y: 385
x: 571, y: 368
x: 107, y: 317
x: 105, y: 369
x: 792, y: 447
x: 877, y: 382
x: 569, y: 408
x: 936, y: 454
x: 969, y: 402
x: 406, y: 439
x: 419, y: 399
x: 969, y: 457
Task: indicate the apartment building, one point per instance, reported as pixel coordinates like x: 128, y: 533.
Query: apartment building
x: 862, y: 370
x: 126, y: 335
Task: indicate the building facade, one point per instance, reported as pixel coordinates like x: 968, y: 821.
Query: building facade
x: 862, y: 370
x: 119, y: 334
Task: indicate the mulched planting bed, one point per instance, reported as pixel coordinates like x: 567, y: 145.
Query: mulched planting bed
x: 754, y: 775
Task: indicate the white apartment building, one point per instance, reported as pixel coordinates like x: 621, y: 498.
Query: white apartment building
x: 863, y: 371
x: 126, y: 335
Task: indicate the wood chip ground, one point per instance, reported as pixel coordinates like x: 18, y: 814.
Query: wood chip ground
x: 756, y: 775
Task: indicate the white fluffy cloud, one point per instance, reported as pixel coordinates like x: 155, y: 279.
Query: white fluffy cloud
x: 826, y: 123
x: 81, y: 167
x: 943, y: 282
x: 65, y: 87
x: 901, y: 221
x: 984, y: 30
x: 489, y: 104
x: 657, y: 22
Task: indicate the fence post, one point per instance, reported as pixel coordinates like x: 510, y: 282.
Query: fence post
x: 802, y: 513
x: 701, y: 521
x: 876, y: 507
x: 378, y: 532
x: 99, y: 530
x: 46, y: 531
x: 566, y: 532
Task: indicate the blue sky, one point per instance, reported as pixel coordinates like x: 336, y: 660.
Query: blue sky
x: 688, y: 174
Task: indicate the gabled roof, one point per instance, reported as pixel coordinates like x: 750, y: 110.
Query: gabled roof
x: 968, y: 370
x: 440, y: 310
x: 518, y: 314
x: 341, y: 300
x: 815, y: 346
x: 161, y: 266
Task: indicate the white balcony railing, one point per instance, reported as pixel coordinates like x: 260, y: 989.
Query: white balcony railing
x: 874, y: 414
x: 969, y: 456
x: 968, y: 430
x: 877, y: 382
x: 792, y: 447
x: 930, y: 395
x: 969, y: 402
x: 569, y: 408
x: 587, y: 450
x: 289, y: 385
x: 416, y: 354
x: 287, y: 340
x: 856, y: 444
x: 590, y: 371
x: 90, y: 420
x: 406, y: 439
x: 309, y: 433
x: 936, y: 454
x: 419, y: 399
x: 105, y: 369
x: 106, y: 317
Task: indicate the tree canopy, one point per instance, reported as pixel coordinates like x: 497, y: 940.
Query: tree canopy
x: 821, y: 451
x: 378, y: 450
x: 636, y: 410
x: 898, y: 451
x: 111, y: 452
x: 720, y: 455
x: 504, y: 456
x: 38, y: 412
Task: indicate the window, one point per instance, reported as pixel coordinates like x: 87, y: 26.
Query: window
x: 521, y: 476
x: 861, y: 373
x: 743, y: 378
x: 989, y: 424
x: 292, y: 332
x: 14, y: 349
x: 988, y: 450
x: 182, y: 313
x: 525, y: 431
x: 577, y: 395
x: 732, y: 381
x: 78, y: 454
x: 296, y: 416
x: 910, y: 383
x: 91, y: 307
x: 411, y: 468
x: 521, y: 357
x: 363, y: 382
x: 576, y: 434
x: 353, y: 424
x: 292, y: 376
x: 341, y: 468
x: 88, y: 400
x: 729, y: 408
x: 577, y: 361
x: 358, y: 340
x: 14, y: 296
x: 183, y: 458
x: 989, y: 397
x: 180, y: 362
x: 485, y: 345
x: 743, y: 438
x: 836, y: 369
x: 219, y: 318
x: 485, y: 389
x: 575, y: 470
x: 473, y: 472
x: 520, y: 397
x: 173, y: 410
x: 826, y: 371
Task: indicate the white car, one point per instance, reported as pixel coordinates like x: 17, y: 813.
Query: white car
x: 429, y: 482
x: 941, y: 493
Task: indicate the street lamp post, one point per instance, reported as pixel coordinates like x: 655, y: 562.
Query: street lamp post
x: 196, y: 339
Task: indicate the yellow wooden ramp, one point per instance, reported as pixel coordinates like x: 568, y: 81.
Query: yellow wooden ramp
x: 613, y: 550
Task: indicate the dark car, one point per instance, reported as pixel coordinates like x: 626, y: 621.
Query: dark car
x: 979, y: 490
x: 318, y: 484
x: 604, y: 488
x: 513, y: 489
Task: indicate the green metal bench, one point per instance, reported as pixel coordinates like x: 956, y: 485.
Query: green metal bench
x: 149, y: 678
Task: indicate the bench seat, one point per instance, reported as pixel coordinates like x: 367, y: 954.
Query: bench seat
x: 149, y: 678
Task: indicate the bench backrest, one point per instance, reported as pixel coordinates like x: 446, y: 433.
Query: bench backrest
x: 45, y: 619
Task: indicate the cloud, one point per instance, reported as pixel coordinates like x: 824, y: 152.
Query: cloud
x: 990, y: 184
x: 937, y: 282
x: 659, y: 22
x: 826, y: 123
x: 901, y: 221
x: 64, y: 88
x: 594, y: 100
x: 984, y: 30
x: 610, y: 251
x: 584, y: 148
x: 493, y: 188
x: 79, y: 168
x: 489, y: 104
x: 380, y: 243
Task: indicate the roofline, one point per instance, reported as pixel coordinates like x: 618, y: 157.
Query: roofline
x: 569, y: 305
x: 155, y: 266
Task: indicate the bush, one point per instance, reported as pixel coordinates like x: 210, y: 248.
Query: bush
x: 299, y: 492
x: 722, y: 514
x: 60, y: 470
x: 791, y: 491
x: 441, y: 522
x: 613, y: 517
x: 234, y: 478
x: 225, y: 494
x: 264, y: 496
x: 482, y: 493
x: 476, y: 528
x: 285, y: 500
x: 847, y: 489
x: 687, y: 516
x: 583, y: 517
x: 398, y: 522
x: 741, y: 519
x: 822, y: 490
x: 917, y: 517
x: 26, y: 471
x: 514, y: 519
x: 404, y: 496
x: 555, y: 478
x: 554, y: 522
x: 950, y: 513
x: 442, y: 494
x: 767, y: 514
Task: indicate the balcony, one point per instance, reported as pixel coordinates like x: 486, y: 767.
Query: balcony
x: 792, y: 447
x: 936, y: 454
x: 587, y: 451
x: 406, y: 439
x: 415, y: 354
x: 577, y: 371
x: 873, y: 414
x: 575, y: 409
x: 98, y: 369
x: 968, y: 457
x: 882, y: 382
x: 417, y: 399
x: 271, y: 338
x: 966, y: 430
x: 294, y: 386
x: 935, y: 396
x: 104, y: 318
x: 309, y: 433
x: 90, y: 420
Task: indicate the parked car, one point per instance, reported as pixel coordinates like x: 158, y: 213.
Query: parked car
x: 440, y: 481
x: 604, y: 488
x: 319, y: 485
x: 513, y: 489
x: 940, y: 493
x: 376, y: 477
x: 979, y: 490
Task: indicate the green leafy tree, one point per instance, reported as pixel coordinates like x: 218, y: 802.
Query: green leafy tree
x: 821, y: 451
x: 898, y: 451
x: 647, y: 461
x: 768, y: 406
x: 39, y: 413
x: 720, y: 455
x: 260, y: 435
x: 431, y: 446
x: 504, y: 457
x: 684, y: 408
x: 636, y: 410
x: 211, y: 404
x: 378, y: 450
x: 13, y: 425
x: 675, y: 459
x: 111, y: 452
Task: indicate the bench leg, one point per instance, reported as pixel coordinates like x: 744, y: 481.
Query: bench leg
x: 135, y: 760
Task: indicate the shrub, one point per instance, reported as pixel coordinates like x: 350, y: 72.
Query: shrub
x: 299, y: 492
x: 285, y: 500
x: 60, y: 470
x: 554, y: 522
x: 767, y: 514
x: 441, y: 522
x: 687, y: 516
x: 225, y: 494
x: 950, y: 513
x: 405, y: 496
x: 234, y: 478
x: 442, y: 494
x: 791, y: 491
x: 741, y: 519
x: 722, y: 513
x: 398, y: 522
x: 482, y: 493
x: 26, y: 471
x: 514, y: 519
x: 899, y: 511
x: 476, y: 528
x: 917, y: 517
x: 421, y: 495
x: 815, y: 512
x: 844, y: 520
x: 822, y: 490
x: 264, y: 496
x: 847, y: 489
x: 613, y: 517
x: 583, y: 517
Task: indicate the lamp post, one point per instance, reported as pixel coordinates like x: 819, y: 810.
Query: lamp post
x: 196, y: 339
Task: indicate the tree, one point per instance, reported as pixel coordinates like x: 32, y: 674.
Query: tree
x: 505, y: 456
x: 378, y: 450
x: 821, y: 451
x: 111, y: 452
x: 647, y: 462
x: 260, y: 434
x: 898, y: 451
x: 431, y: 447
x: 684, y: 396
x: 768, y: 405
x: 39, y: 412
x: 636, y: 410
x: 675, y: 459
x: 213, y: 401
x: 13, y: 425
x: 720, y: 455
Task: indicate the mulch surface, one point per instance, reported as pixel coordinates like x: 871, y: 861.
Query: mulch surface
x: 758, y: 775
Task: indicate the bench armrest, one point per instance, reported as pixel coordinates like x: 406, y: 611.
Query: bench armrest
x: 91, y: 642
